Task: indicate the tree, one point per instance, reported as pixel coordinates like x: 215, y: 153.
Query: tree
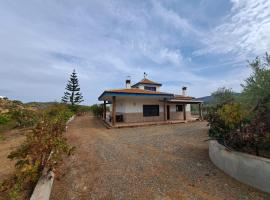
x: 73, y: 95
x: 223, y: 96
x: 257, y: 86
x: 256, y: 92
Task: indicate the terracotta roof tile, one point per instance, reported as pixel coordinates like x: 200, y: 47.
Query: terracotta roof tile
x: 181, y: 97
x: 136, y: 91
x: 147, y: 81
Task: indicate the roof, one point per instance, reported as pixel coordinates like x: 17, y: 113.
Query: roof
x: 147, y: 82
x: 190, y: 101
x: 181, y: 97
x: 134, y: 92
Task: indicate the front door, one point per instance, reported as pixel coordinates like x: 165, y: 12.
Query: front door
x: 168, y: 112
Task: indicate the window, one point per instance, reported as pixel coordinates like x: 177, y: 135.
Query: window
x: 179, y: 108
x: 150, y: 110
x: 150, y: 88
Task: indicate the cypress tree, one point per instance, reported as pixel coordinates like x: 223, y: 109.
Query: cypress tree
x: 73, y: 94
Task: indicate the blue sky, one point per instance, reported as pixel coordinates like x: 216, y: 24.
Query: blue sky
x: 202, y: 44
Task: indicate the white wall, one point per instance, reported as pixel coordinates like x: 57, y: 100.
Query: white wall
x: 135, y: 104
x: 188, y: 109
x: 141, y: 86
x: 246, y: 168
x: 173, y: 107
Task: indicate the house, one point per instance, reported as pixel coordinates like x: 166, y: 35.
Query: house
x: 144, y: 103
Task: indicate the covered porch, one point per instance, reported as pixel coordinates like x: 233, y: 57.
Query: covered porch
x: 184, y: 103
x: 112, y: 119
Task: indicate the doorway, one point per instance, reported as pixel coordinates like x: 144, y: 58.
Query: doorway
x: 168, y: 112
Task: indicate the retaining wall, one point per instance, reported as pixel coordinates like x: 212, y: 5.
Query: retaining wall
x: 249, y: 169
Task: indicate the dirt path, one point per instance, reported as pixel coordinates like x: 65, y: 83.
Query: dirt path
x: 12, y: 140
x: 156, y: 162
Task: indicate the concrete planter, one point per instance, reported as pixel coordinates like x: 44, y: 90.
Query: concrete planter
x: 43, y: 188
x: 70, y: 119
x: 249, y: 169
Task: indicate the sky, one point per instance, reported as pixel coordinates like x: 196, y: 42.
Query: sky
x: 201, y: 44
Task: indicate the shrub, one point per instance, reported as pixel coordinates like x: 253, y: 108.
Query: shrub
x: 58, y: 112
x: 43, y: 149
x: 24, y: 117
x: 4, y: 119
x: 223, y: 96
x: 97, y: 110
x: 233, y: 115
x: 245, y: 125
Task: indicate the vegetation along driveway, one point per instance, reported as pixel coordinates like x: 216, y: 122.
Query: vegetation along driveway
x: 154, y: 162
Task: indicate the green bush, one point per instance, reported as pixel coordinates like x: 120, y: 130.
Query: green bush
x: 243, y: 123
x: 79, y: 109
x: 233, y: 115
x: 4, y: 119
x: 59, y: 113
x: 227, y: 122
x: 97, y: 110
x: 43, y: 148
x: 24, y: 117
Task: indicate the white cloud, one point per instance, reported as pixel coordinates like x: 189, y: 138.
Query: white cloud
x: 108, y: 40
x: 171, y: 56
x: 172, y: 18
x: 245, y: 31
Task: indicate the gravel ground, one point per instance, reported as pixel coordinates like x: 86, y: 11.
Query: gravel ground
x: 155, y: 162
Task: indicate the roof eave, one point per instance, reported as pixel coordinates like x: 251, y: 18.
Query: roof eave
x: 157, y: 84
x: 108, y: 93
x: 184, y: 101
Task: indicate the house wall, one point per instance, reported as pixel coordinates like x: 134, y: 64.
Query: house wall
x: 179, y: 115
x: 141, y: 86
x: 132, y: 109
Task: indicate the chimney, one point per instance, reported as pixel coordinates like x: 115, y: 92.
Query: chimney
x: 184, y: 91
x: 128, y: 83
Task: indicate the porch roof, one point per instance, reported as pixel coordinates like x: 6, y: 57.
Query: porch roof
x: 133, y: 92
x: 188, y: 101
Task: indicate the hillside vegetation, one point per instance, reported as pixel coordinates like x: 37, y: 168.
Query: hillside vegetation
x: 43, y: 126
x: 242, y: 122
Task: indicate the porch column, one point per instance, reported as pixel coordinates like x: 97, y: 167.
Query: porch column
x: 113, y: 110
x: 104, y: 110
x: 184, y: 112
x: 200, y: 111
x: 165, y: 110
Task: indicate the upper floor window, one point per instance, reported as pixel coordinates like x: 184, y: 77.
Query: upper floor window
x: 150, y: 88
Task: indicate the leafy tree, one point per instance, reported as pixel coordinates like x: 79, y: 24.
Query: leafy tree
x: 244, y: 124
x: 73, y: 94
x: 223, y: 96
x: 223, y: 105
x: 256, y: 95
x: 257, y: 87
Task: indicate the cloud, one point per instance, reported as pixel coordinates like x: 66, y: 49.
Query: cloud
x: 106, y: 41
x: 168, y: 16
x: 244, y: 32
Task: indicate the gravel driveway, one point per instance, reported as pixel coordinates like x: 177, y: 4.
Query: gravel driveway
x: 154, y: 162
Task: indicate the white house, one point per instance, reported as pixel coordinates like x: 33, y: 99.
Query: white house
x: 144, y: 103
